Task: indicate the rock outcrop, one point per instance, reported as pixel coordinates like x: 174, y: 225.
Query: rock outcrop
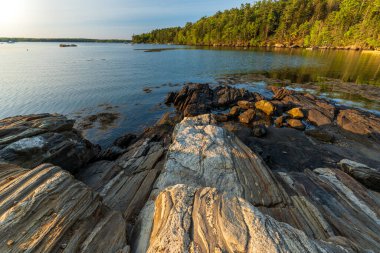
x: 31, y: 140
x: 46, y: 210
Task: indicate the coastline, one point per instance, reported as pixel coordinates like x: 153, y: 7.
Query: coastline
x: 293, y: 158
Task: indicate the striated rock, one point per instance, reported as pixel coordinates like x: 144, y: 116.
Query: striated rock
x: 265, y: 106
x: 247, y: 116
x: 47, y: 210
x: 296, y: 113
x: 31, y: 140
x: 280, y: 93
x: 226, y: 96
x: 126, y: 183
x: 296, y: 124
x: 193, y: 219
x: 361, y: 172
x: 359, y: 123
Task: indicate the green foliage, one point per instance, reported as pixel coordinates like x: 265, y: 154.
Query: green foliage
x: 301, y: 22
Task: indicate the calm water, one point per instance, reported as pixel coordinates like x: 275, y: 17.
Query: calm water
x: 41, y: 77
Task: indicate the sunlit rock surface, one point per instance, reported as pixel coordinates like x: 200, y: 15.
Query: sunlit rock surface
x: 47, y: 210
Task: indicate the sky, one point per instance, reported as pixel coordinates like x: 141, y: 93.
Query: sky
x: 102, y: 19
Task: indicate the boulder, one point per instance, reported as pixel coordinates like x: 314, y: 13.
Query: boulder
x: 279, y: 122
x: 361, y: 172
x: 265, y: 106
x: 360, y: 123
x: 296, y: 113
x: 296, y: 124
x: 31, y: 140
x: 247, y: 116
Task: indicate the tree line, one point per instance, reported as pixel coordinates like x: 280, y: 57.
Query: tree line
x: 303, y: 23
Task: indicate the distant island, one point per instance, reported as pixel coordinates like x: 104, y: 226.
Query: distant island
x: 344, y: 24
x: 64, y: 40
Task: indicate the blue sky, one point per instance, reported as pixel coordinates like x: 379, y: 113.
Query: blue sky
x: 101, y: 18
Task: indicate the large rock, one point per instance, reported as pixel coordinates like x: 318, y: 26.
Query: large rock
x: 296, y: 113
x: 367, y: 176
x: 196, y: 99
x: 360, y: 123
x: 247, y: 116
x: 31, y: 140
x: 47, y: 210
x: 193, y: 219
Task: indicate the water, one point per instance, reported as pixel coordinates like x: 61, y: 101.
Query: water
x: 42, y: 77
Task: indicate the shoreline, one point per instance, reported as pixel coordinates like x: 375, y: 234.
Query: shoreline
x: 274, y: 165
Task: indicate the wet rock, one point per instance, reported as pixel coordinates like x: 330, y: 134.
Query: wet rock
x: 125, y: 140
x: 296, y: 113
x: 320, y: 135
x: 46, y: 210
x: 247, y: 116
x: 296, y: 124
x: 243, y: 104
x: 361, y: 172
x: 265, y: 106
x: 170, y: 98
x: 31, y: 140
x: 360, y: 123
x: 235, y: 111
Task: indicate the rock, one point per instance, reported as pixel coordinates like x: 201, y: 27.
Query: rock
x: 317, y: 118
x: 147, y: 90
x: 279, y: 122
x: 259, y: 131
x: 280, y: 93
x: 125, y: 140
x: 193, y: 219
x: 170, y: 98
x: 31, y: 140
x: 279, y: 45
x: 360, y: 123
x: 126, y: 183
x: 243, y: 104
x: 296, y: 124
x: 221, y: 117
x: 320, y: 135
x: 247, y: 116
x: 52, y: 209
x: 235, y: 111
x: 296, y: 113
x: 265, y: 106
x: 361, y: 172
x: 226, y: 96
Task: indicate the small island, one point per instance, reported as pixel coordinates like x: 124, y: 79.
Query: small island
x: 67, y: 45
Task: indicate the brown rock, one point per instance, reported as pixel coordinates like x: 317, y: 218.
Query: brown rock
x: 247, y: 116
x: 246, y: 104
x: 359, y: 123
x: 265, y: 106
x: 234, y: 112
x: 296, y: 113
x: 279, y: 122
x: 280, y: 93
x: 318, y: 118
x: 295, y: 123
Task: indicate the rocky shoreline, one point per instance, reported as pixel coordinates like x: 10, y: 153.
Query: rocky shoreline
x: 228, y: 171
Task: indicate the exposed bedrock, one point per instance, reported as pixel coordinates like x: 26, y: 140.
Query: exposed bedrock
x: 31, y: 140
x: 183, y: 214
x: 46, y: 210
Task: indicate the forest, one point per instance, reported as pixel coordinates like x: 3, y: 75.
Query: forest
x: 304, y: 23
